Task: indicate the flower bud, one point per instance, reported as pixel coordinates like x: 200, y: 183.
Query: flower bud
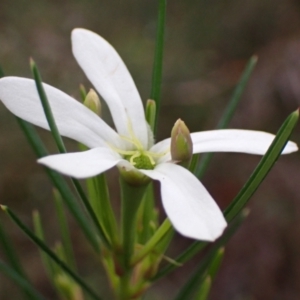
x: 92, y: 102
x: 181, y: 142
x: 150, y: 113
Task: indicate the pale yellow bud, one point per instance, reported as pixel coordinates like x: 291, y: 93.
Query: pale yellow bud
x: 181, y: 142
x: 92, y: 102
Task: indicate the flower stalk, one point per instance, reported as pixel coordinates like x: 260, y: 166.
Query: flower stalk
x: 131, y: 199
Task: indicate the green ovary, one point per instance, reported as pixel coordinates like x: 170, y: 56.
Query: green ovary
x: 140, y: 161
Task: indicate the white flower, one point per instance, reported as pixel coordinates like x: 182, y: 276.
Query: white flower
x: 189, y: 206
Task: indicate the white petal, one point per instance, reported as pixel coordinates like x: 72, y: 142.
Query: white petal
x: 73, y: 119
x: 82, y: 164
x: 162, y: 147
x: 189, y: 206
x: 236, y: 140
x: 108, y: 73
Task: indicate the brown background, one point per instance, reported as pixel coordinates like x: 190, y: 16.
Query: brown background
x: 207, y: 46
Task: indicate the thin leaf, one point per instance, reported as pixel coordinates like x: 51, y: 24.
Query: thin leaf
x: 82, y: 91
x: 147, y: 216
x: 229, y: 111
x: 158, y: 58
x: 150, y: 113
x: 46, y: 107
x: 49, y: 252
x: 12, y: 257
x: 216, y: 263
x: 204, y: 290
x: 59, y: 182
x: 62, y: 149
x: 262, y: 169
x: 100, y: 201
x: 186, y: 255
x: 21, y: 281
x: 64, y: 229
x: 152, y: 243
x: 264, y: 166
x: 39, y: 232
x: 199, y: 275
x: 102, y: 206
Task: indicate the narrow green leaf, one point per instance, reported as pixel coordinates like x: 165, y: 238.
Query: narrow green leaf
x: 147, y: 216
x: 151, y: 113
x: 156, y: 238
x: 82, y: 91
x: 62, y: 149
x: 102, y: 206
x: 21, y: 281
x: 100, y: 201
x: 186, y: 255
x: 199, y: 275
x: 216, y: 263
x: 49, y: 252
x: 194, y: 163
x: 204, y: 289
x: 264, y: 167
x: 229, y: 111
x: 87, y: 205
x: 46, y: 107
x: 158, y: 58
x: 59, y: 182
x: 12, y: 257
x: 60, y: 251
x: 64, y: 229
x: 39, y: 232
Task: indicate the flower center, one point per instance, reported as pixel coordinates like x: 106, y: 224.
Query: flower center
x: 140, y: 158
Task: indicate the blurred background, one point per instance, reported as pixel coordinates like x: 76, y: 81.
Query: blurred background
x: 207, y: 46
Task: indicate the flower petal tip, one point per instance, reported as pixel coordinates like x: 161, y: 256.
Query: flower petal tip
x: 209, y: 235
x: 290, y: 148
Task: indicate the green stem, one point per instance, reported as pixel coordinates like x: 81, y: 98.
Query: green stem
x: 158, y: 58
x: 125, y: 286
x: 131, y: 199
x: 103, y: 209
x: 158, y: 235
x: 147, y: 216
